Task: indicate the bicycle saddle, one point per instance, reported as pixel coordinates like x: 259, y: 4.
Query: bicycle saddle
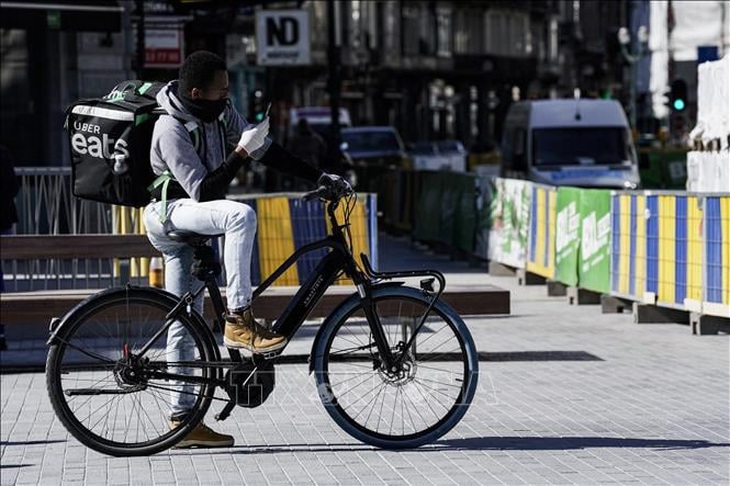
x: 189, y: 237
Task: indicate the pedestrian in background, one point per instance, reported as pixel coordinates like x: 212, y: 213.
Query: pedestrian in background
x: 310, y: 147
x: 307, y: 144
x: 10, y: 188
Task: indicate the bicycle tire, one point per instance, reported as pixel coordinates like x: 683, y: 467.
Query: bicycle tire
x: 108, y: 411
x: 457, y: 380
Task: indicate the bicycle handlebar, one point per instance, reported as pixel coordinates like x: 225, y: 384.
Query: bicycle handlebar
x: 326, y: 193
x: 318, y: 193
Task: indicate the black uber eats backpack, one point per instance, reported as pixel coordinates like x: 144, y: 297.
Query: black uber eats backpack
x: 110, y: 140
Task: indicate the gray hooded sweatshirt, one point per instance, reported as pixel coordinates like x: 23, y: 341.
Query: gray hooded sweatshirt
x: 173, y: 147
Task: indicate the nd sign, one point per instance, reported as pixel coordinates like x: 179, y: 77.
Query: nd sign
x: 282, y: 37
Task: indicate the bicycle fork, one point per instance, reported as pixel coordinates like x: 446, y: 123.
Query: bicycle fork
x: 376, y: 328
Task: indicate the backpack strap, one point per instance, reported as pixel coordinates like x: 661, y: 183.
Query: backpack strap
x: 164, y: 179
x: 194, y: 130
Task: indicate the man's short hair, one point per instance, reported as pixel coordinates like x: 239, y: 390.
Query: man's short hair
x: 198, y: 70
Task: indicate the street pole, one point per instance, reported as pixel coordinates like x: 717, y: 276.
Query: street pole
x: 139, y: 68
x: 334, y: 81
x: 632, y: 58
x: 632, y: 72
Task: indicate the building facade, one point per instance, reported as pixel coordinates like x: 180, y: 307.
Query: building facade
x: 433, y: 69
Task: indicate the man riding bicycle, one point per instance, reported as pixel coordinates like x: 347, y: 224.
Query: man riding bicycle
x: 188, y: 153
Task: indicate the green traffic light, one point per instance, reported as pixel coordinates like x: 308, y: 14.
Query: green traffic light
x: 259, y: 116
x: 679, y: 104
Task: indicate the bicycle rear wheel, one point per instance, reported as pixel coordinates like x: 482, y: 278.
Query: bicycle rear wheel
x: 410, y: 406
x: 113, y: 396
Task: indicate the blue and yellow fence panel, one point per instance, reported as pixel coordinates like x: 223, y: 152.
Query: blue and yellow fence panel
x: 286, y: 223
x: 673, y: 250
x: 126, y: 221
x: 689, y: 266
x: 716, y: 221
x: 359, y: 232
x: 541, y: 246
x: 628, y: 245
x: 275, y: 237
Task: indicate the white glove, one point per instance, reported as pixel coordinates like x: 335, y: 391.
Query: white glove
x: 253, y: 137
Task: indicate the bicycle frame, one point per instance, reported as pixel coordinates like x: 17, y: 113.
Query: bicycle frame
x: 337, y: 261
x: 340, y: 259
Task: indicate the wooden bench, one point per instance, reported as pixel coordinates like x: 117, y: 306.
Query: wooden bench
x: 27, y: 314
x: 31, y: 247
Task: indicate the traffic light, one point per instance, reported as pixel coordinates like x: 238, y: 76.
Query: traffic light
x: 678, y: 95
x: 257, y: 106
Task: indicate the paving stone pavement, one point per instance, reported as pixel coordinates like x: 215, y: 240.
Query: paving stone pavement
x: 566, y: 395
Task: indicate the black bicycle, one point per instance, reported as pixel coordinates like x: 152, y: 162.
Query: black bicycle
x: 394, y: 365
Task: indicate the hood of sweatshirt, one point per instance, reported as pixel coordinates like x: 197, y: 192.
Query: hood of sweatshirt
x: 168, y: 99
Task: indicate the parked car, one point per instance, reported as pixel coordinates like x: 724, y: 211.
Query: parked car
x: 438, y: 155
x: 373, y: 150
x: 374, y: 146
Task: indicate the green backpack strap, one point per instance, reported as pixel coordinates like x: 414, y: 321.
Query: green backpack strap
x: 164, y: 181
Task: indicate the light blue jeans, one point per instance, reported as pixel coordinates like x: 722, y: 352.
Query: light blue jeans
x: 234, y: 219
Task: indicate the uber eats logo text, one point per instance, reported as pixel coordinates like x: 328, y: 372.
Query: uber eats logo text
x: 89, y: 140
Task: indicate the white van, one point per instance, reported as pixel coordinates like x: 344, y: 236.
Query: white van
x: 570, y: 142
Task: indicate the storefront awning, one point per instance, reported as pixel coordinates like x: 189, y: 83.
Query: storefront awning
x: 85, y: 16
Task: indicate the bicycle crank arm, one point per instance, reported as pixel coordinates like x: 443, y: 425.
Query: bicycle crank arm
x: 223, y: 414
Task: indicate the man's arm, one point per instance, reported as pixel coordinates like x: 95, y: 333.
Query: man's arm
x: 277, y: 157
x: 216, y: 183
x: 271, y: 153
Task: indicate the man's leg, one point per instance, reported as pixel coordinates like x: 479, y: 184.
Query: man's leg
x: 180, y: 345
x: 238, y: 222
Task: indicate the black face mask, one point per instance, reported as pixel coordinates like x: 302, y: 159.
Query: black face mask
x: 205, y: 110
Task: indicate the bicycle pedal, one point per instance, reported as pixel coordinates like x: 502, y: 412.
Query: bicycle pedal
x: 225, y: 412
x: 270, y: 355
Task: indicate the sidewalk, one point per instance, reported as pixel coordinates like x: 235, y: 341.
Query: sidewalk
x: 566, y: 395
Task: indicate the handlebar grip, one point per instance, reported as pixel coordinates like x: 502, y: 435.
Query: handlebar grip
x: 315, y: 194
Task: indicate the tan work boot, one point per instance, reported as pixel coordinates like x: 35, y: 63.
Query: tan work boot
x: 202, y: 436
x: 242, y: 331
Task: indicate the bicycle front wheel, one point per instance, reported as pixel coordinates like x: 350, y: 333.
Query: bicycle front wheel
x: 113, y: 380
x: 420, y: 399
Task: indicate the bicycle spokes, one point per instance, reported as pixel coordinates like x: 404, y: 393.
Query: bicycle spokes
x: 123, y: 369
x: 410, y: 395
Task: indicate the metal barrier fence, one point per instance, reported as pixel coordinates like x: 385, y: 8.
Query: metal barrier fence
x: 657, y: 248
x: 716, y: 282
x: 673, y: 254
x: 666, y: 248
x: 670, y: 249
x: 628, y: 245
x: 541, y: 244
x: 46, y: 205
